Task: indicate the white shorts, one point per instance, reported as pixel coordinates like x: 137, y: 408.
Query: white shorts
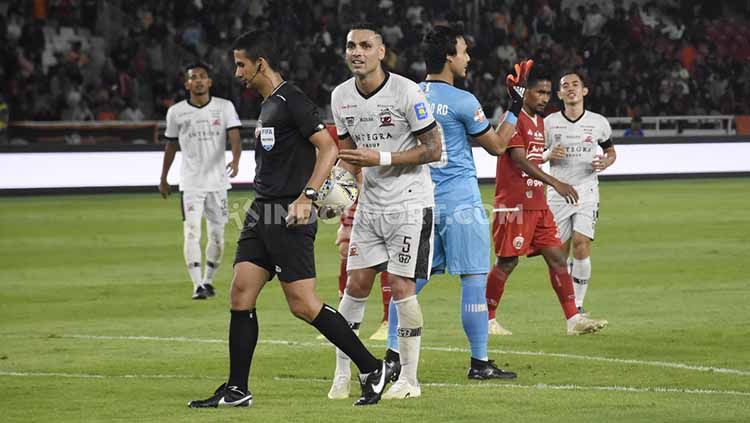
x: 571, y: 218
x: 213, y: 205
x: 401, y: 241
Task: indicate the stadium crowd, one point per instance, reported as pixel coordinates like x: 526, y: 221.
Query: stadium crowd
x: 122, y: 60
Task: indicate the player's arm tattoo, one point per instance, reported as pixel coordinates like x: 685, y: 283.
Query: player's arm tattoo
x: 431, y: 145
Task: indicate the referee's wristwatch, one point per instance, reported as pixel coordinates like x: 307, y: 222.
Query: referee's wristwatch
x: 310, y: 193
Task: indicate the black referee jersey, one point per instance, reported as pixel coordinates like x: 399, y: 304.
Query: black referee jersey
x: 284, y: 155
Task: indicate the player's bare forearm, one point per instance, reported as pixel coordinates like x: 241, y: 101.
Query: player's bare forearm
x: 170, y: 150
x: 348, y: 144
x: 427, y: 151
x: 496, y: 141
x: 235, y: 142
x: 611, y: 155
x: 327, y: 153
x: 519, y: 158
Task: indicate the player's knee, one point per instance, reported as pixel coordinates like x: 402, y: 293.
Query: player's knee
x: 581, y: 247
x: 192, y: 230
x: 506, y: 264
x: 344, y: 250
x: 302, y: 311
x: 358, y: 285
x: 216, y: 234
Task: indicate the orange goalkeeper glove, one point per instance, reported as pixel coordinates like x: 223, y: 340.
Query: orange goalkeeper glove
x: 516, y: 85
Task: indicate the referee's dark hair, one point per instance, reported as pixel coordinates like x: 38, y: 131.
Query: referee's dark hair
x: 196, y: 65
x: 367, y: 26
x: 257, y: 44
x: 437, y: 44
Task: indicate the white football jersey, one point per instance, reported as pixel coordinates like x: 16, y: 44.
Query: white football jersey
x: 387, y: 120
x: 202, y: 134
x: 581, y: 140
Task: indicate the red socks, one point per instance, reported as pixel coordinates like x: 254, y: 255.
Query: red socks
x: 385, y: 289
x: 562, y: 283
x: 495, y: 288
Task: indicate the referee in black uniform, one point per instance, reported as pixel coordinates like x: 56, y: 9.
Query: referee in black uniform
x: 279, y: 231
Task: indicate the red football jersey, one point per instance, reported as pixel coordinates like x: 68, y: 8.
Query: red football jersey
x: 513, y: 187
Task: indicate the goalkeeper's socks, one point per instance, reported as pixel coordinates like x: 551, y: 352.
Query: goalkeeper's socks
x: 495, y: 288
x: 474, y: 314
x: 562, y: 283
x: 581, y: 273
x: 243, y: 336
x: 335, y: 328
x: 393, y: 318
x: 194, y: 270
x: 410, y: 337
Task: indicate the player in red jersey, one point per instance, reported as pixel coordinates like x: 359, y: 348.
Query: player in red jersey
x: 342, y: 241
x: 523, y: 223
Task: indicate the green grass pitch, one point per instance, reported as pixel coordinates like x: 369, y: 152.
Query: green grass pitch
x: 97, y: 324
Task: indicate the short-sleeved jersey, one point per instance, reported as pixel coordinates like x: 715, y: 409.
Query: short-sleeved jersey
x: 513, y: 186
x: 581, y: 139
x: 284, y: 156
x: 202, y: 134
x: 459, y: 115
x: 389, y: 120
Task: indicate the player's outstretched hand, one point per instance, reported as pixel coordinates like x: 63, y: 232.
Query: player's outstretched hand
x: 516, y: 84
x: 360, y: 157
x: 600, y: 163
x: 233, y: 168
x: 299, y: 211
x: 567, y: 192
x: 557, y: 152
x: 164, y: 189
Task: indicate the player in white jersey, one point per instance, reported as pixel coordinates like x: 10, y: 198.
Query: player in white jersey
x: 574, y: 138
x: 201, y: 125
x: 386, y: 129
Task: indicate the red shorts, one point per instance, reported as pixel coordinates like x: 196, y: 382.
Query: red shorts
x: 524, y: 233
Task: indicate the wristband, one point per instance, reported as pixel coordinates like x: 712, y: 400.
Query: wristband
x: 546, y: 154
x: 510, y: 117
x: 385, y: 158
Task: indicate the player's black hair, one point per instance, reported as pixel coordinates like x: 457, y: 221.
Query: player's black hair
x: 437, y: 44
x: 366, y: 26
x: 196, y: 65
x: 539, y: 73
x: 257, y: 44
x: 572, y: 72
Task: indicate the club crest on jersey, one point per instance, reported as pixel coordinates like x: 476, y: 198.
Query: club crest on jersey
x: 386, y: 119
x: 479, y: 115
x: 216, y: 122
x: 588, y: 140
x: 353, y: 251
x: 518, y: 242
x: 421, y: 110
x: 267, y: 138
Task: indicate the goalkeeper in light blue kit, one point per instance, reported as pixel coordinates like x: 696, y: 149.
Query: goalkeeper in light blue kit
x: 462, y: 233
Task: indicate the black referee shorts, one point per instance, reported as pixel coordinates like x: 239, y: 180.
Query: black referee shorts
x: 266, y: 241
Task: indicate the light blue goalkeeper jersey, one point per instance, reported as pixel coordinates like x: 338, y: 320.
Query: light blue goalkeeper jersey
x: 460, y: 115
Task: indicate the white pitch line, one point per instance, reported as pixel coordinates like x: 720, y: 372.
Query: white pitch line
x: 544, y: 386
x: 665, y: 364
x: 97, y: 376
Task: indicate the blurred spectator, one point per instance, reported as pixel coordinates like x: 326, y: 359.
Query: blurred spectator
x: 635, y: 128
x: 131, y: 112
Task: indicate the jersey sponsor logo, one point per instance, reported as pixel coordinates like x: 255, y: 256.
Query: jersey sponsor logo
x: 479, y: 115
x: 386, y: 119
x: 216, y: 122
x: 267, y: 138
x: 349, y: 120
x: 536, y: 134
x: 518, y: 242
x: 278, y: 269
x: 421, y: 110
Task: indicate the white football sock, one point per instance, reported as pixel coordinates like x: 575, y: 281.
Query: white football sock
x: 353, y: 310
x: 192, y: 250
x: 581, y: 274
x: 409, y: 336
x: 214, y: 250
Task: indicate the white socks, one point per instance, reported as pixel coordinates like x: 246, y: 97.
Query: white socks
x: 581, y: 273
x: 214, y: 250
x: 409, y: 336
x: 353, y: 310
x: 191, y: 249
